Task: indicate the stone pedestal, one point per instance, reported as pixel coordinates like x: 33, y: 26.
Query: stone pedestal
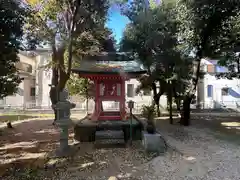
x: 63, y: 121
x: 153, y: 143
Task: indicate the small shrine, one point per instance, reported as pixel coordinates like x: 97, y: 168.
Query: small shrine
x: 109, y: 71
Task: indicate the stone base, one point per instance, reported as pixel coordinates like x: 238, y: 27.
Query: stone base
x: 153, y: 143
x: 86, y: 130
x: 64, y: 152
x: 84, y: 133
x: 136, y: 132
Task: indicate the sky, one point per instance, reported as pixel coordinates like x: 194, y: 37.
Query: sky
x: 117, y: 23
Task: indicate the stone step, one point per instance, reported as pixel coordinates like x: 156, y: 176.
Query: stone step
x: 109, y: 128
x: 110, y: 113
x: 109, y: 134
x: 110, y: 125
x: 110, y: 117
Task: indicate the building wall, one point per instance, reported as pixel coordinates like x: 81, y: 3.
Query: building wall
x: 43, y: 80
x: 216, y: 98
x: 23, y: 97
x: 139, y: 99
x: 39, y: 79
x: 17, y: 99
x: 143, y: 99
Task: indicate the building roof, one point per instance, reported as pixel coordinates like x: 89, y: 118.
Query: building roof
x: 109, y: 63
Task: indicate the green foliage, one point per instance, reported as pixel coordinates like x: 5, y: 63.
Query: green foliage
x: 73, y: 29
x: 228, y: 48
x: 88, y: 45
x: 208, y: 29
x: 148, y: 112
x: 69, y: 27
x: 80, y: 86
x: 11, y: 23
x: 152, y: 36
x: 203, y: 22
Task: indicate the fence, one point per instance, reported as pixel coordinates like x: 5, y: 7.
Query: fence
x: 212, y: 104
x: 81, y: 107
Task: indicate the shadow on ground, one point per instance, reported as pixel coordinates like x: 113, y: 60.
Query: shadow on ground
x: 11, y: 118
x: 223, y: 126
x: 31, y: 145
x: 28, y: 144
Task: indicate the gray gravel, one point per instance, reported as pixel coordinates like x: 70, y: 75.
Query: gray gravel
x: 205, y: 158
x: 202, y: 157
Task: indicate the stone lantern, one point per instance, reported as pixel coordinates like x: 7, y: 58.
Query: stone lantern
x: 63, y: 121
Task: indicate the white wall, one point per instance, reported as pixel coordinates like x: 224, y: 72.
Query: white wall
x: 141, y: 99
x: 40, y: 78
x: 28, y: 60
x: 16, y: 100
x: 137, y: 98
x: 22, y: 98
x: 218, y: 99
x: 43, y: 79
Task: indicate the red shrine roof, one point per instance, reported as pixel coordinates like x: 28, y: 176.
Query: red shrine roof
x: 109, y: 63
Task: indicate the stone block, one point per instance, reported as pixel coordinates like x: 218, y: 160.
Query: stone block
x: 84, y: 133
x: 136, y: 132
x: 153, y: 142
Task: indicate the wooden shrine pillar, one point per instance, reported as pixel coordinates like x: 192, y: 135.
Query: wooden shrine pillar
x: 96, y: 111
x: 122, y: 101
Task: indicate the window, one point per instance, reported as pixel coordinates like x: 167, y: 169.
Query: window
x: 210, y: 68
x: 225, y: 91
x: 210, y: 91
x: 24, y: 67
x: 220, y: 69
x: 32, y: 91
x: 130, y: 90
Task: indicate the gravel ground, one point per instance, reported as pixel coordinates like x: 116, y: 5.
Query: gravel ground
x: 199, y: 155
x: 204, y: 157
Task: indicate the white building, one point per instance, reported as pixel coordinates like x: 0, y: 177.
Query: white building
x: 34, y: 88
x: 217, y: 93
x: 33, y: 91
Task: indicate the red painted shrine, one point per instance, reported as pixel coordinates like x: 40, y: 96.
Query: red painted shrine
x: 109, y: 71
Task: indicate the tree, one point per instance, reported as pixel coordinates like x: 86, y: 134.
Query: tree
x: 11, y: 23
x: 81, y: 86
x: 228, y: 49
x: 65, y: 25
x: 60, y: 24
x: 152, y: 37
x: 202, y: 23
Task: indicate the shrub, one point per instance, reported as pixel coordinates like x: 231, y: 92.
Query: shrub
x: 149, y: 112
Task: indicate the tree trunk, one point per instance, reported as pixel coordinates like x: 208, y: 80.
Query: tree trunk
x: 170, y: 103
x: 156, y: 102
x: 185, y: 119
x: 158, y: 110
x: 156, y: 98
x: 59, y: 76
x: 178, y: 103
x: 238, y: 64
x: 53, y: 91
x: 185, y: 115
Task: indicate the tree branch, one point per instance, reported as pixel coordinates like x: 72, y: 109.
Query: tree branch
x: 70, y: 53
